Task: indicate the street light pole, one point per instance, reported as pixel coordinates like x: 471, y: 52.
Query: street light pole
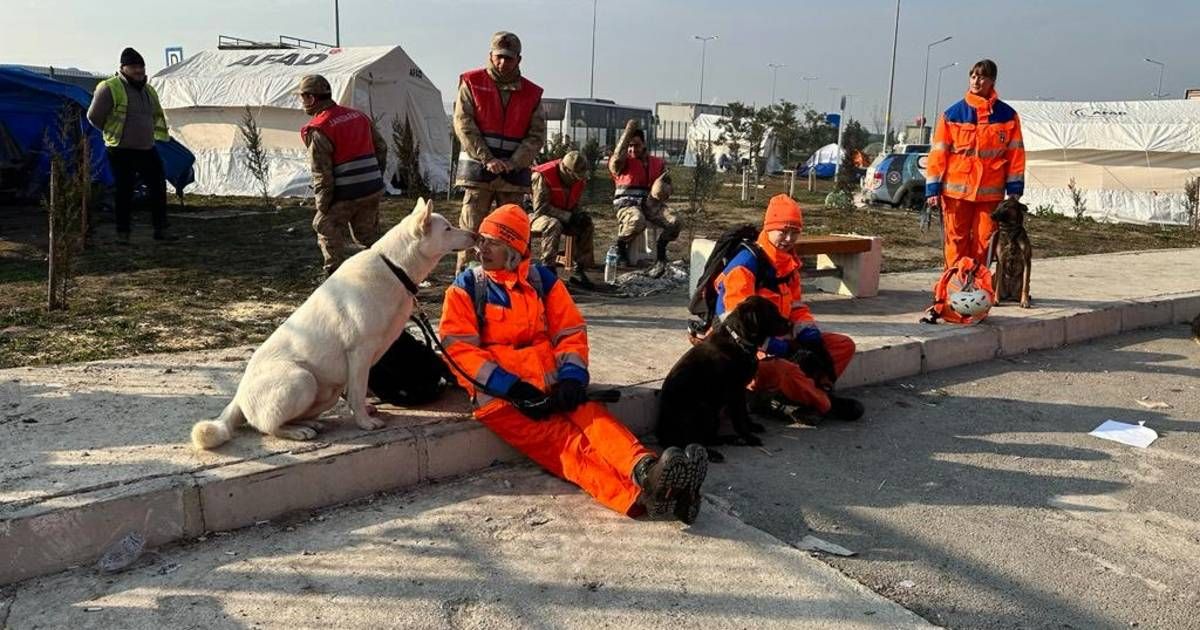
x: 834, y: 91
x: 337, y: 25
x: 887, y: 118
x: 808, y: 90
x: 774, y: 74
x: 592, y: 89
x: 1161, y: 68
x: 925, y: 84
x: 937, y: 100
x: 703, y: 49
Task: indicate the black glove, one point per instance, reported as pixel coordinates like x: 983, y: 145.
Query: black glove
x: 529, y: 400
x: 813, y: 358
x: 568, y: 394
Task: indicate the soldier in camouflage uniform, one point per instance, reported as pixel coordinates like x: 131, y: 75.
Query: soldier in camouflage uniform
x: 343, y: 178
x: 557, y: 188
x: 499, y: 122
x: 642, y: 187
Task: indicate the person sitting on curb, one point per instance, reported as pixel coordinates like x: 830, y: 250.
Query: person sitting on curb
x: 803, y: 367
x: 642, y: 188
x: 518, y: 344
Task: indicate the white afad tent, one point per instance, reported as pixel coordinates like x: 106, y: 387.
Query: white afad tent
x: 707, y: 129
x: 205, y: 98
x: 1129, y: 160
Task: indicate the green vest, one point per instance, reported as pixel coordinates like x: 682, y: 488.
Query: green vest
x: 115, y: 125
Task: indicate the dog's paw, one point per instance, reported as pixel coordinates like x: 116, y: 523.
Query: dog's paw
x: 1026, y: 304
x: 367, y: 423
x: 293, y: 432
x: 715, y: 456
x: 756, y: 427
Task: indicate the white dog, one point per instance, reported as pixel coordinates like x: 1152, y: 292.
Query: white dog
x: 330, y: 343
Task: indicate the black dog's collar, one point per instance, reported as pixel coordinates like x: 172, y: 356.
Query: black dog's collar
x: 401, y: 276
x: 745, y: 345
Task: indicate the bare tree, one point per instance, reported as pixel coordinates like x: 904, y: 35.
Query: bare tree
x: 407, y: 150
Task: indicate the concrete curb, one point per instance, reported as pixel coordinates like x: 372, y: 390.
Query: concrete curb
x: 75, y: 530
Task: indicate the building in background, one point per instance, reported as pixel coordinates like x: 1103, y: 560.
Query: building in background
x: 584, y: 119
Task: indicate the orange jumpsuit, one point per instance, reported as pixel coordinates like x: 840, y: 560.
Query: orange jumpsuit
x: 521, y: 333
x: 780, y: 283
x: 977, y: 157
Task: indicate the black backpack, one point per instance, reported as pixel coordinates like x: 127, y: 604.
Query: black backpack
x: 409, y: 373
x: 703, y: 306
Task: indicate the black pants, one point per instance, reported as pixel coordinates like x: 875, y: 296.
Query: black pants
x: 133, y: 166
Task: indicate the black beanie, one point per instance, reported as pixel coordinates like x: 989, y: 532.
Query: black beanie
x: 131, y: 57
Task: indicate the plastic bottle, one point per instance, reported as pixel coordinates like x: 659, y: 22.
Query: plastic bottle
x: 610, y: 265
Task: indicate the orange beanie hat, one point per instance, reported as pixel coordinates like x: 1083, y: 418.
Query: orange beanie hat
x: 783, y: 214
x: 510, y: 225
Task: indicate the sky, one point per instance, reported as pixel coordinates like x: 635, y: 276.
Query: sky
x: 646, y: 51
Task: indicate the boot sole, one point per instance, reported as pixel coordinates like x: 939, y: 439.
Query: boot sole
x: 676, y: 478
x: 687, y: 507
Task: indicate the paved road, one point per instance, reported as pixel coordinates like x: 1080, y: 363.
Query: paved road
x: 975, y: 497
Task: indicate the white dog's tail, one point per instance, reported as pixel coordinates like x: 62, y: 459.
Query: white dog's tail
x: 208, y: 434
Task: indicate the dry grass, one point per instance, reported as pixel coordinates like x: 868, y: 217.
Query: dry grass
x: 232, y: 280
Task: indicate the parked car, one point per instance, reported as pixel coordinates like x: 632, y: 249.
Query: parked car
x: 898, y: 178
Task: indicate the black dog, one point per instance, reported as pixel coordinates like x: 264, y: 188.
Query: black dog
x: 1013, y: 252
x: 712, y: 377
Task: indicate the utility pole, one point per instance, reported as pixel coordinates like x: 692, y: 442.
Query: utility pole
x: 808, y: 90
x: 703, y: 49
x: 592, y: 89
x: 337, y: 25
x: 937, y: 100
x: 1161, y: 68
x: 887, y: 118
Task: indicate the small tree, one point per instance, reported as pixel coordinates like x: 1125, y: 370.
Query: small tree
x: 256, y: 154
x: 408, y: 159
x: 66, y: 204
x: 1077, y: 200
x: 558, y: 146
x: 1191, y: 201
x: 705, y: 183
x: 847, y: 175
x: 591, y: 151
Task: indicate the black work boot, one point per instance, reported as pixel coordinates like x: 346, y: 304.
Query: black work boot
x: 660, y: 259
x: 687, y: 507
x: 662, y: 480
x: 846, y: 409
x: 623, y: 253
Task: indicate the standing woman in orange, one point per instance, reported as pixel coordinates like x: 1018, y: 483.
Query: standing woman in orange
x: 977, y: 159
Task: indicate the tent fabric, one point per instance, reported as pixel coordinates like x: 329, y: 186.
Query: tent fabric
x: 823, y: 161
x: 1129, y: 160
x: 178, y: 164
x: 30, y: 105
x: 205, y: 98
x: 706, y: 128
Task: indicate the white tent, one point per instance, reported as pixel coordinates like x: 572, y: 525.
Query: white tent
x: 706, y: 128
x: 205, y: 97
x: 825, y: 160
x: 1129, y: 159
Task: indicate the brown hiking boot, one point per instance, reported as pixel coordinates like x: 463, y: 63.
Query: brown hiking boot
x: 662, y: 479
x: 687, y: 507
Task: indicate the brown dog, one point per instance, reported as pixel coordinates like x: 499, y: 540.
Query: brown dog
x: 1013, y: 253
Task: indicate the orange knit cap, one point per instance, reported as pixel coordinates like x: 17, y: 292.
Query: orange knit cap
x: 510, y: 225
x: 783, y: 214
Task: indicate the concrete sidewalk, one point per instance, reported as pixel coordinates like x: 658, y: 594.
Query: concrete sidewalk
x: 90, y: 451
x: 512, y: 548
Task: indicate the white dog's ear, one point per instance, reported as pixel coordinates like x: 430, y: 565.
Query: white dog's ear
x: 422, y: 218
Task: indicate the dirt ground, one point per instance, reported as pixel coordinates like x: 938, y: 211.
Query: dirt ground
x: 240, y: 267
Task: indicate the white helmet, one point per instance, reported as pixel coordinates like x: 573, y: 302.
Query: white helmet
x: 970, y: 303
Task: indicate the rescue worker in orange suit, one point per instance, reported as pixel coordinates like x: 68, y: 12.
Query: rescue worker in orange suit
x: 642, y: 188
x: 802, y: 367
x: 499, y: 123
x: 557, y: 188
x: 977, y: 158
x: 347, y: 156
x: 512, y: 327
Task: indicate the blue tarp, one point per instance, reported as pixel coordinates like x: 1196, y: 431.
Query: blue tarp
x: 30, y: 105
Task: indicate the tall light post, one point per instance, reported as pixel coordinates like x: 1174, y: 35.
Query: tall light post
x: 1162, y: 67
x: 925, y: 84
x: 937, y: 99
x: 592, y: 89
x: 774, y: 74
x: 808, y: 90
x: 887, y: 118
x: 337, y: 25
x: 834, y: 92
x: 703, y: 49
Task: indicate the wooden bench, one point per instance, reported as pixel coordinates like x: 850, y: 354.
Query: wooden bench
x: 845, y: 264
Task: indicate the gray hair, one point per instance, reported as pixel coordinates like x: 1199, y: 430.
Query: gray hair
x: 512, y: 258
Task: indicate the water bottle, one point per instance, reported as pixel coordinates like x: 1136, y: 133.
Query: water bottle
x: 610, y: 265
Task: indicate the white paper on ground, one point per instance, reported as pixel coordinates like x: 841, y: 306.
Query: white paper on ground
x: 1137, y: 435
